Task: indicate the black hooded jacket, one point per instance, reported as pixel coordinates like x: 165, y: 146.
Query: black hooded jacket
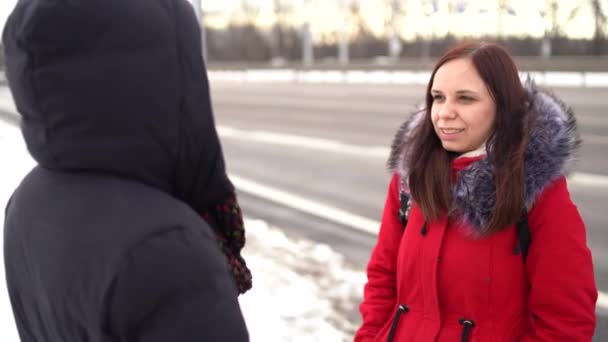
x: 104, y: 239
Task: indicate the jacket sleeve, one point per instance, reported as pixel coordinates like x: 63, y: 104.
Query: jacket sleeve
x: 175, y: 286
x: 560, y: 269
x: 380, y: 292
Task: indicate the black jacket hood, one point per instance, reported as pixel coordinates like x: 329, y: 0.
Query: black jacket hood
x: 117, y: 87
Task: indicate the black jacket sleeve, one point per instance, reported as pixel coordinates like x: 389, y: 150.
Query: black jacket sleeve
x: 175, y: 286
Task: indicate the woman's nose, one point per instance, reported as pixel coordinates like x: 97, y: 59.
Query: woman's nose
x: 447, y: 111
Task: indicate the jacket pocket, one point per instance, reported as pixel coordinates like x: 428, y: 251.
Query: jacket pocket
x: 401, y: 309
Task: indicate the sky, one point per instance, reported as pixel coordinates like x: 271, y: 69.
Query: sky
x: 325, y: 16
x: 424, y: 17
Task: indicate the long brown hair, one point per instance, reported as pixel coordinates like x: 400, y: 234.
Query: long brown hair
x: 430, y: 164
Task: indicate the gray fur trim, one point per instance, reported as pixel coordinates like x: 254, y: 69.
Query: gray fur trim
x: 550, y: 153
x: 399, y: 152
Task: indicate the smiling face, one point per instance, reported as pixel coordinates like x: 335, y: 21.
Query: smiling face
x: 463, y: 110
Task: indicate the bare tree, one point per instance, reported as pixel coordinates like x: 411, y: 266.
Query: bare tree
x: 350, y: 13
x: 364, y: 42
x: 455, y: 7
x: 555, y: 28
x: 280, y: 10
x: 249, y: 10
x: 599, y: 35
x: 391, y: 25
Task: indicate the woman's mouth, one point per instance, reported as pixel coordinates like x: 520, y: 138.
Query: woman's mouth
x: 446, y: 134
x: 451, y: 131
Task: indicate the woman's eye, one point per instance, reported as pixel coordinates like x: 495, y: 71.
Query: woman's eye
x: 466, y: 98
x: 437, y: 97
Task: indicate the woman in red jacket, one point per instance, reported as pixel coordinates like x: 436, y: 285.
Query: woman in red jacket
x: 485, y: 152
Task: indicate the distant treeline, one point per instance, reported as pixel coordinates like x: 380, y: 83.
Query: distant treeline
x: 249, y: 43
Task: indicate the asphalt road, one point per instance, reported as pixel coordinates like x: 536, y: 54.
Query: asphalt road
x: 310, y: 144
x: 266, y: 131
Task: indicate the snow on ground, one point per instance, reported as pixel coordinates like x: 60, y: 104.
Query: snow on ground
x: 302, y: 285
x: 302, y: 291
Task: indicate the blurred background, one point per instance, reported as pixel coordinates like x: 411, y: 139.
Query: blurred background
x: 308, y: 95
x: 405, y: 33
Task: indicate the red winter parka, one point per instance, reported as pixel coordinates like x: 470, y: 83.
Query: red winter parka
x: 433, y: 283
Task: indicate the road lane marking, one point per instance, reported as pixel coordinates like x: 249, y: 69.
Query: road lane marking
x: 292, y: 140
x: 602, y: 300
x: 328, y: 212
x: 306, y: 205
x: 594, y: 139
x: 588, y: 179
x: 335, y: 146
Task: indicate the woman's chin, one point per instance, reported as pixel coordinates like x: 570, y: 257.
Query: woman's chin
x: 450, y: 146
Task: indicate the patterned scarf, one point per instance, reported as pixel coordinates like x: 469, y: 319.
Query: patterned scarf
x: 226, y: 219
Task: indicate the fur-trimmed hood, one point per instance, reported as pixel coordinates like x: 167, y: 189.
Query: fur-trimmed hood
x: 549, y: 155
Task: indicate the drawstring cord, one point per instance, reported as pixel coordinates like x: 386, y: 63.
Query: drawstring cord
x: 424, y: 229
x: 401, y: 309
x: 467, y: 325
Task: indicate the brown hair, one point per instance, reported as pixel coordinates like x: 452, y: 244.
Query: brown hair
x: 430, y: 164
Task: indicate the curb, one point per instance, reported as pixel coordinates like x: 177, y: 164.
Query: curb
x: 404, y: 77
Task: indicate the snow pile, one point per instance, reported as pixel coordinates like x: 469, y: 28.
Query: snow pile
x: 302, y: 290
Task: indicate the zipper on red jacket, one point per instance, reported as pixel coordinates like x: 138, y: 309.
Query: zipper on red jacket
x: 401, y: 309
x: 467, y: 325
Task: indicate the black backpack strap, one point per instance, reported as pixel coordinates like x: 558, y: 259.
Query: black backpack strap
x: 523, y: 229
x: 523, y: 235
x: 405, y: 205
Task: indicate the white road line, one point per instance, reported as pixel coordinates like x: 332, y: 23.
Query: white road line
x: 588, y: 179
x: 335, y: 146
x: 308, y: 206
x: 321, y: 210
x: 300, y: 141
x: 594, y: 139
x: 602, y: 300
x: 333, y: 214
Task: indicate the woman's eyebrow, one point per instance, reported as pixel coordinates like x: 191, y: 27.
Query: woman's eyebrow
x: 466, y: 91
